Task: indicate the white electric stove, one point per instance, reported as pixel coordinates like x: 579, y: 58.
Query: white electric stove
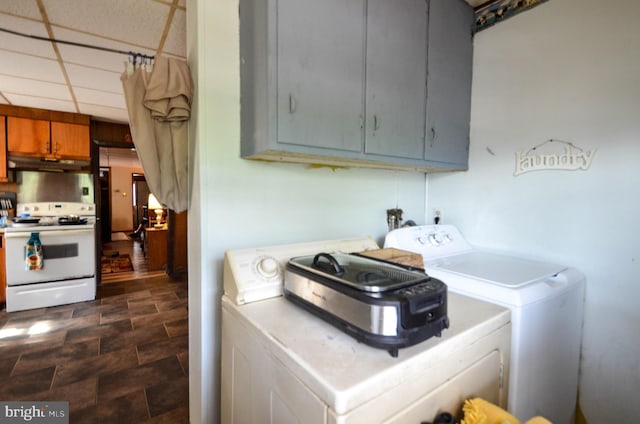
x: 66, y: 231
x: 546, y: 303
x: 282, y: 364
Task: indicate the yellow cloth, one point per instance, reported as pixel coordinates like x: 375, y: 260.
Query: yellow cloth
x: 538, y: 420
x: 479, y: 411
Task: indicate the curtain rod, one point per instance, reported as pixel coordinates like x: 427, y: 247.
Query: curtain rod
x: 73, y: 43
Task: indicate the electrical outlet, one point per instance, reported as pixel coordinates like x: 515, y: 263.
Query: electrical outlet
x: 437, y: 216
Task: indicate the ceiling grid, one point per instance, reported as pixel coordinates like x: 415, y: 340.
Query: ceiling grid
x: 52, y: 75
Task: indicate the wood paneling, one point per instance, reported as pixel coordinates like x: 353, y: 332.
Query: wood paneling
x: 177, y: 261
x: 44, y: 114
x: 109, y: 134
x: 3, y: 149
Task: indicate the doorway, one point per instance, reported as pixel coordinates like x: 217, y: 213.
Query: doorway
x: 105, y: 203
x: 140, y: 191
x: 123, y: 198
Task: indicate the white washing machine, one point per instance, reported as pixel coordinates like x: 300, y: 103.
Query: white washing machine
x: 546, y: 303
x: 281, y: 364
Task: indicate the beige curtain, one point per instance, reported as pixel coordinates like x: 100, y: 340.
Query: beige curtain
x: 159, y: 107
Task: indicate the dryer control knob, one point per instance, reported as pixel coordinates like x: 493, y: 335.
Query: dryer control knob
x: 268, y: 267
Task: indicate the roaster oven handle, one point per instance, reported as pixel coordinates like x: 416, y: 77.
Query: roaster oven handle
x: 417, y: 307
x: 334, y: 267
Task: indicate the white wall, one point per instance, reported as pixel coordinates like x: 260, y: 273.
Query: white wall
x: 567, y: 70
x: 236, y: 203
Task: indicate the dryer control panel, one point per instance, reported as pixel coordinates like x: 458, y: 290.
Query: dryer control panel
x: 431, y: 241
x: 258, y: 273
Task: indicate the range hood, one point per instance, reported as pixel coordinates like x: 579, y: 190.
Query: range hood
x: 51, y: 165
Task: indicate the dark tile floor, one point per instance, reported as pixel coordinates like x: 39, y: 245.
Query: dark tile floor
x: 122, y: 358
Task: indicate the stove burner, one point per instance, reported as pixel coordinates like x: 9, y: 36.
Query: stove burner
x: 72, y: 220
x: 26, y: 220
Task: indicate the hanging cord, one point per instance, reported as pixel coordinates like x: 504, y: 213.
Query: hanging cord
x: 141, y: 56
x: 552, y: 140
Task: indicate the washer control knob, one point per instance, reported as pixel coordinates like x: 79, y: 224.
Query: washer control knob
x: 421, y: 240
x: 268, y: 267
x: 434, y: 239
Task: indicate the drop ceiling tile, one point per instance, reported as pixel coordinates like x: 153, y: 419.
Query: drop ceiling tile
x: 105, y: 113
x: 82, y: 76
x: 99, y: 98
x: 27, y: 9
x: 30, y: 67
x: 34, y: 88
x: 128, y: 21
x: 93, y: 57
x: 41, y: 103
x: 25, y: 45
x: 176, y: 42
x: 30, y: 75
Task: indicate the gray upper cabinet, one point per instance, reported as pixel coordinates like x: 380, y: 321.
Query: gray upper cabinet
x: 396, y: 78
x: 449, y: 83
x: 348, y: 82
x: 320, y: 69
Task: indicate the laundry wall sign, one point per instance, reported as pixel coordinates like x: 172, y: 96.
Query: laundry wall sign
x: 545, y: 156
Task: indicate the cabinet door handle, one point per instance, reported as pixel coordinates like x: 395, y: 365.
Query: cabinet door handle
x: 292, y: 104
x: 376, y: 123
x: 432, y: 134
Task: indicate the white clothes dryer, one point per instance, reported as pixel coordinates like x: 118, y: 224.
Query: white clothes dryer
x: 281, y: 364
x: 546, y: 303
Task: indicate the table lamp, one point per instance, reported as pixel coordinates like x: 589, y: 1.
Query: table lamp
x: 154, y: 205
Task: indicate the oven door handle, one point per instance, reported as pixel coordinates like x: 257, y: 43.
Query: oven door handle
x: 27, y: 234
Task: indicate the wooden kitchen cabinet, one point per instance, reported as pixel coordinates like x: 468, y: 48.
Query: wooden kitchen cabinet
x: 70, y: 141
x: 156, y: 247
x: 47, y: 139
x: 3, y: 149
x: 348, y: 83
x: 28, y: 137
x: 3, y: 273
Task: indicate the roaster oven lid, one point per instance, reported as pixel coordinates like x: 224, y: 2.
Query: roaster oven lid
x: 358, y: 272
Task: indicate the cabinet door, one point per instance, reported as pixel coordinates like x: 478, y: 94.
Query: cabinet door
x: 3, y: 152
x: 396, y: 72
x: 70, y: 141
x: 156, y: 248
x: 28, y: 137
x: 320, y: 73
x: 3, y: 273
x: 449, y: 81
